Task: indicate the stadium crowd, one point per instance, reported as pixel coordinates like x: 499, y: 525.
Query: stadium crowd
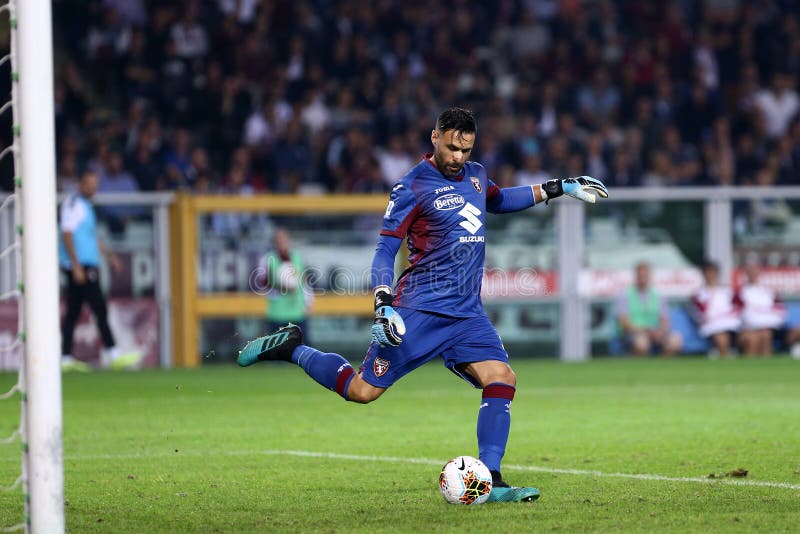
x: 240, y: 96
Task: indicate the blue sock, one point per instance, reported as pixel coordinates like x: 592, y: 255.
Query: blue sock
x: 327, y: 368
x: 494, y: 422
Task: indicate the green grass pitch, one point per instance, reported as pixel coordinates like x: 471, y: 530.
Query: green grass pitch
x: 201, y: 451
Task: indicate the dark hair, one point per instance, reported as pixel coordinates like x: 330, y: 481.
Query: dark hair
x: 708, y: 263
x: 458, y: 119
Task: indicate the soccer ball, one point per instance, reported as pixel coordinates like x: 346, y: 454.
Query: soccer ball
x: 465, y: 480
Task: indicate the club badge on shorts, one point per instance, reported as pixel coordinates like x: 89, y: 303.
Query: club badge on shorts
x: 380, y: 366
x: 476, y: 183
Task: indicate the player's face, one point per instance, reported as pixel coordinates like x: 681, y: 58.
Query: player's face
x: 451, y: 149
x: 88, y: 184
x: 752, y: 272
x: 711, y: 275
x: 642, y: 276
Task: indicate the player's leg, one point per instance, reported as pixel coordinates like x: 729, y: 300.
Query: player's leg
x: 111, y: 356
x: 673, y: 343
x: 74, y: 305
x: 381, y: 368
x: 765, y: 342
x: 498, y: 384
x: 480, y: 358
x: 793, y: 341
x: 721, y: 341
x: 75, y: 297
x: 640, y: 343
x: 748, y: 342
x: 96, y: 301
x: 286, y: 344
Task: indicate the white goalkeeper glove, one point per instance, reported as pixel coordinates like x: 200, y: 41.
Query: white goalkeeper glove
x: 580, y: 187
x: 388, y: 327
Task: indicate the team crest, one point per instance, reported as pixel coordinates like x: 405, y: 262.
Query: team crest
x: 476, y: 183
x: 380, y: 366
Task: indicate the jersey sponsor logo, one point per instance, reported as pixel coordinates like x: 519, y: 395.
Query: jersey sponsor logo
x: 472, y: 222
x: 389, y: 209
x: 443, y: 189
x: 471, y: 239
x: 380, y: 366
x: 448, y: 202
x: 476, y: 183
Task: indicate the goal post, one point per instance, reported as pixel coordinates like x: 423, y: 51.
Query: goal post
x: 42, y: 441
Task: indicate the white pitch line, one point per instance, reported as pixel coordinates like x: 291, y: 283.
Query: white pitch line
x: 539, y: 469
x: 427, y: 461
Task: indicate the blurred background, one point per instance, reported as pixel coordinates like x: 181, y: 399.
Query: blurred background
x: 260, y: 97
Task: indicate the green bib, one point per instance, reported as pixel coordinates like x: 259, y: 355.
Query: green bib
x: 285, y: 305
x: 643, y: 313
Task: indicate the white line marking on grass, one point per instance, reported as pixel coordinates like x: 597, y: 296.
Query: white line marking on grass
x: 538, y: 469
x: 423, y: 461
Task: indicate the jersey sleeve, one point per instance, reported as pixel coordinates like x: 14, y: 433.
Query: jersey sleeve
x: 72, y: 214
x: 508, y: 199
x: 400, y: 212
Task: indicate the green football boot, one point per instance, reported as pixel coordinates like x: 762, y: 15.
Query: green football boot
x: 277, y: 346
x: 502, y: 492
x: 70, y: 364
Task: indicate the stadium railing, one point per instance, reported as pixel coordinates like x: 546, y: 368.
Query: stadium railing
x: 567, y: 261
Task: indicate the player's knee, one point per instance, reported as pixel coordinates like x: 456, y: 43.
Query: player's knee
x: 362, y: 392
x: 503, y: 375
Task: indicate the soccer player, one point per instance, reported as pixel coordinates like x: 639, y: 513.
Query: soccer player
x: 435, y: 309
x: 79, y: 257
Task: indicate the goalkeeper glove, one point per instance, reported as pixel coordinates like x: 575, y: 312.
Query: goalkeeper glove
x: 388, y: 327
x: 581, y: 187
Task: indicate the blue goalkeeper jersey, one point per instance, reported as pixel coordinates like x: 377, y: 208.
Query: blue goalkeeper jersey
x: 444, y: 219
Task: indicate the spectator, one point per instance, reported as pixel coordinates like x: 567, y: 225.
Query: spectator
x: 118, y: 180
x: 762, y: 313
x: 208, y: 66
x: 644, y: 317
x: 599, y: 101
x: 715, y: 311
x: 282, y: 273
x: 779, y: 104
x: 190, y: 37
x: 395, y: 160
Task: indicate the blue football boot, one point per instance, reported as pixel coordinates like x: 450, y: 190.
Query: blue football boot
x: 502, y: 492
x: 277, y: 346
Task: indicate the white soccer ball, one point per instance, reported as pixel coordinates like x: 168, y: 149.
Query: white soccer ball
x: 465, y: 480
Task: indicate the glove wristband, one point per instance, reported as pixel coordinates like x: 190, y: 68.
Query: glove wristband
x: 383, y: 296
x: 553, y: 188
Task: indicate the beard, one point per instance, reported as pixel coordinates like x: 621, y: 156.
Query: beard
x: 447, y: 169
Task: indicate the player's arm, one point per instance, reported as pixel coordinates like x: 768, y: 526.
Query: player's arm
x: 388, y: 327
x: 623, y: 316
x: 77, y: 269
x: 70, y: 218
x: 583, y: 188
x: 113, y: 259
x: 511, y: 199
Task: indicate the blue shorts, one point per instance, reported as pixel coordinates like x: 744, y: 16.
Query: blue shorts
x: 457, y: 340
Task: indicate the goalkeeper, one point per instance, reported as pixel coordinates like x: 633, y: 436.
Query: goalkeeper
x: 435, y: 309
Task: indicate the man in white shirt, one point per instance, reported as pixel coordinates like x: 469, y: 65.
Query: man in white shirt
x: 778, y: 105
